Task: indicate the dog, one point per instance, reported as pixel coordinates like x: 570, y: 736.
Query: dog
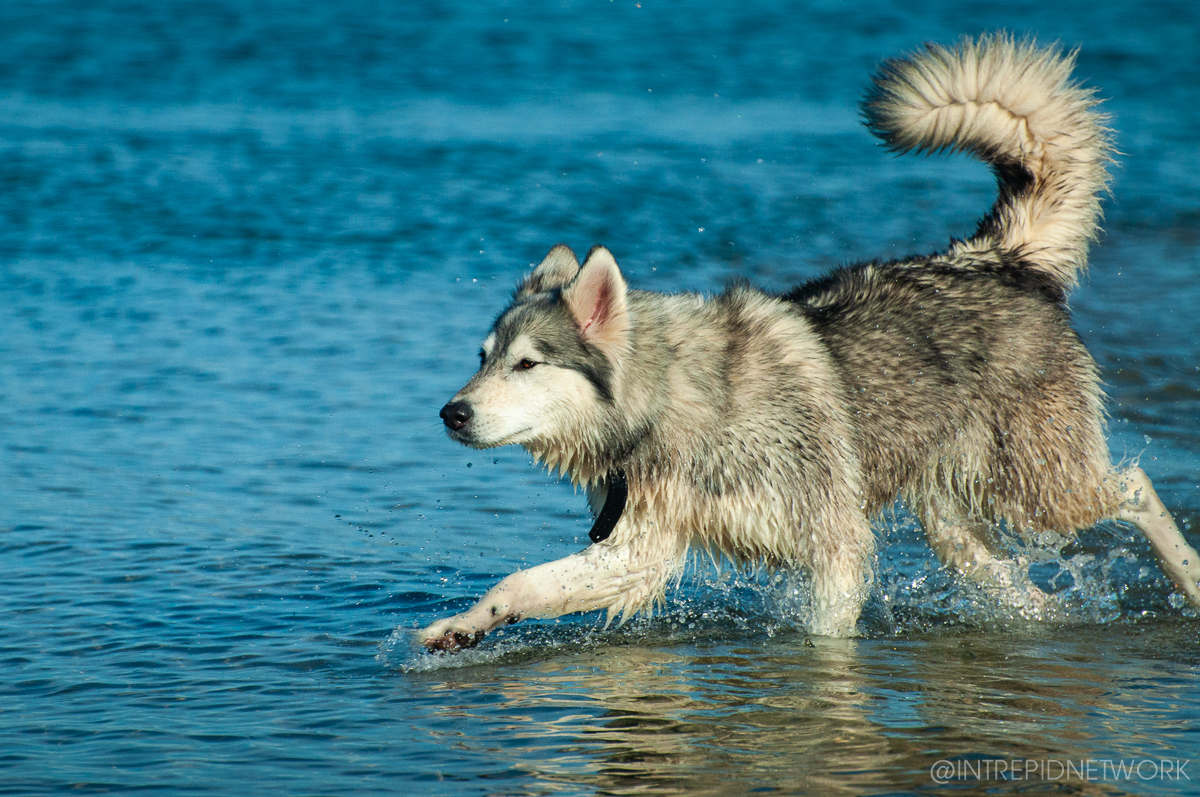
x: 772, y: 429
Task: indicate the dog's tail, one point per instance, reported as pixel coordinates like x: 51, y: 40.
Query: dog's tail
x: 1013, y: 105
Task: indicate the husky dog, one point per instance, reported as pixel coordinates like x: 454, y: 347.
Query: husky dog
x: 772, y: 429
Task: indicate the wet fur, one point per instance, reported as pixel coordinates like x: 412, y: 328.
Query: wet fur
x: 773, y: 429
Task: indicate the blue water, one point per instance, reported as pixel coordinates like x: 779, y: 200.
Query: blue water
x: 247, y: 250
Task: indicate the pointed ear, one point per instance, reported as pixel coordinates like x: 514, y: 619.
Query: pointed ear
x: 597, y: 300
x: 556, y: 270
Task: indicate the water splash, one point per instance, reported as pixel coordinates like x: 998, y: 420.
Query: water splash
x: 1097, y: 578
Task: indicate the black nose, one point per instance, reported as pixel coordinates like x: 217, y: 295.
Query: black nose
x: 457, y: 414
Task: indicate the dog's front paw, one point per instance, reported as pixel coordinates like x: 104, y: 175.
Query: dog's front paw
x: 450, y: 636
x: 452, y: 641
x: 465, y: 630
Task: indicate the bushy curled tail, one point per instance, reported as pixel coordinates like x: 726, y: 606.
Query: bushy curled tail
x: 1013, y: 105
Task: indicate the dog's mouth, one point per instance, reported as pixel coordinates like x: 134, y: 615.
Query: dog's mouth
x: 467, y: 437
x: 462, y: 424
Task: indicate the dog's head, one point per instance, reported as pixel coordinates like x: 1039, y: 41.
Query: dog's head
x: 548, y: 368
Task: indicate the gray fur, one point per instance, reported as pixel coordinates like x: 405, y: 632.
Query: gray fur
x: 773, y: 429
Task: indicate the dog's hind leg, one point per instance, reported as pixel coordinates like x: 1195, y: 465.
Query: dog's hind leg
x: 961, y: 546
x: 1143, y: 508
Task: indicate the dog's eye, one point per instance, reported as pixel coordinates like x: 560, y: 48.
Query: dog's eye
x: 482, y: 356
x: 525, y: 365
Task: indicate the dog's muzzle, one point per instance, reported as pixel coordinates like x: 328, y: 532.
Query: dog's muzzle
x: 456, y: 415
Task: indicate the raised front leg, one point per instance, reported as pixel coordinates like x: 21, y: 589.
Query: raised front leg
x: 1144, y: 509
x: 620, y: 578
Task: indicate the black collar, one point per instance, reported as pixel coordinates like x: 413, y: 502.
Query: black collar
x: 614, y: 505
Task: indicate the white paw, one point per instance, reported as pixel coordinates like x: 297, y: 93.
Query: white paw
x: 448, y: 636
